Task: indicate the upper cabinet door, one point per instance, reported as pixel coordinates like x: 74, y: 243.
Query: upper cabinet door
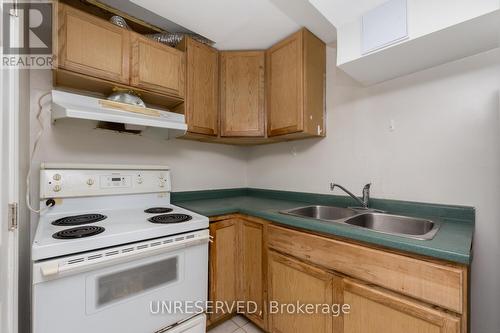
x: 92, y: 46
x: 242, y: 93
x: 296, y: 74
x: 285, y: 91
x: 201, y: 104
x: 157, y: 67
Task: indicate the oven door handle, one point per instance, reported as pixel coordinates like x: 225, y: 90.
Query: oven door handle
x: 52, y: 269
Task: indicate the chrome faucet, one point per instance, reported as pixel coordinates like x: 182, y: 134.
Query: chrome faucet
x: 366, y: 194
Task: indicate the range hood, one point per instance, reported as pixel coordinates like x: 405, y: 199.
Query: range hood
x: 75, y: 106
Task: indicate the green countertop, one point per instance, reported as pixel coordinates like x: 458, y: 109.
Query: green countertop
x: 452, y: 242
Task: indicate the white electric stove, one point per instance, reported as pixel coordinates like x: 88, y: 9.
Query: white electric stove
x: 109, y: 248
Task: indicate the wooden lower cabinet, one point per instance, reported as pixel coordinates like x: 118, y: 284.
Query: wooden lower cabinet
x: 253, y: 272
x: 374, y: 310
x: 238, y: 267
x: 224, y: 263
x: 292, y: 282
x: 279, y: 269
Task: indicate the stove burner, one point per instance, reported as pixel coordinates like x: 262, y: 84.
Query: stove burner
x: 79, y: 219
x: 78, y: 232
x: 158, y: 210
x: 169, y: 218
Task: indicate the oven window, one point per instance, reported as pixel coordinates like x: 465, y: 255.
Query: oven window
x: 123, y: 284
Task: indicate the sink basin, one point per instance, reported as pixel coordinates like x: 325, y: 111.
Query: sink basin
x: 328, y: 213
x: 395, y: 225
x: 403, y: 226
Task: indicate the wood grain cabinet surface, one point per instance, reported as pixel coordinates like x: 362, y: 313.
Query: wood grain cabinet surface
x: 202, y: 101
x: 254, y: 260
x: 242, y: 93
x: 253, y: 270
x: 233, y: 97
x: 90, y: 45
x: 296, y: 69
x: 292, y: 282
x: 224, y: 264
x: 157, y: 67
x: 238, y: 267
x: 374, y: 310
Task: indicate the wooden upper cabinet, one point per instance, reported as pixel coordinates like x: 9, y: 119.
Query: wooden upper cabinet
x: 157, y: 67
x: 374, y: 310
x: 242, y: 93
x: 202, y: 100
x: 296, y: 69
x: 292, y: 281
x: 92, y: 46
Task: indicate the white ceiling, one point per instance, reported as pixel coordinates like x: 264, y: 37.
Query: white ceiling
x: 243, y: 24
x: 339, y: 12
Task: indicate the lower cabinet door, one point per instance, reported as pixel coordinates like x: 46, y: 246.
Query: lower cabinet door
x: 374, y: 310
x: 292, y: 283
x: 253, y: 271
x: 224, y: 264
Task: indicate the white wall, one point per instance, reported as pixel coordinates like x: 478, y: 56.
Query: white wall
x: 445, y: 149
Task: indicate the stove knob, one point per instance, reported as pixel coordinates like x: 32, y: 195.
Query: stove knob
x: 139, y: 180
x: 90, y: 182
x: 57, y: 188
x: 57, y: 176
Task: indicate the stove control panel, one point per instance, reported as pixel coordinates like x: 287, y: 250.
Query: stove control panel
x: 76, y: 183
x: 115, y: 181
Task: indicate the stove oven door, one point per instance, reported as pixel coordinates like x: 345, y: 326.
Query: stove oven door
x: 140, y: 294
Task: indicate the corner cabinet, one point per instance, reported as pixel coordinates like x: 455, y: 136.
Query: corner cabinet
x: 202, y: 101
x: 156, y: 67
x: 264, y: 96
x: 89, y: 45
x: 296, y: 76
x: 242, y: 93
x: 231, y: 97
x: 238, y: 266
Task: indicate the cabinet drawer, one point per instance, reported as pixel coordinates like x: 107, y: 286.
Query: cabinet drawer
x: 435, y: 283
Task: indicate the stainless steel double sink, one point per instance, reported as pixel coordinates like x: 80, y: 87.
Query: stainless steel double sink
x: 403, y: 226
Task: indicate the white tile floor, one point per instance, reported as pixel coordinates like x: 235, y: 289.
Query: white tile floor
x: 237, y: 324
